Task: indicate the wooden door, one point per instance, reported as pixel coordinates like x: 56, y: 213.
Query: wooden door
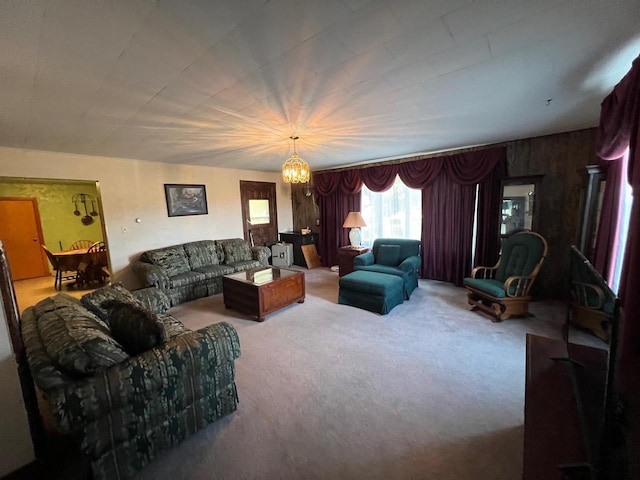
x: 259, y: 212
x: 21, y: 234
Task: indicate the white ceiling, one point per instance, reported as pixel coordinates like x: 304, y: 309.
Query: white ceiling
x: 227, y: 82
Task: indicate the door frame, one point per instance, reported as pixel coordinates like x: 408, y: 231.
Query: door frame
x: 270, y: 188
x: 58, y: 181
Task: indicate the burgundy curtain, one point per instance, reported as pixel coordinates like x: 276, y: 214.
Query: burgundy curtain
x: 337, y: 193
x: 420, y: 173
x: 379, y: 178
x: 448, y: 207
x: 448, y: 185
x: 619, y: 129
x: 606, y: 234
x: 489, y: 209
x: 447, y: 229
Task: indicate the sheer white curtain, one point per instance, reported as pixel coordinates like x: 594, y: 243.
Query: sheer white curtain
x: 396, y: 213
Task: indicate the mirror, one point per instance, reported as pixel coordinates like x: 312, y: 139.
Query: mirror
x: 519, y: 204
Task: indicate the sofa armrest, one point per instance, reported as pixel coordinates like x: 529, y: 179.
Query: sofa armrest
x: 151, y: 275
x: 262, y: 254
x: 364, y: 259
x: 410, y: 264
x: 193, y: 361
x: 154, y: 299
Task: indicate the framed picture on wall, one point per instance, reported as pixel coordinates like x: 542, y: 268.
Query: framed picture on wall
x: 185, y: 199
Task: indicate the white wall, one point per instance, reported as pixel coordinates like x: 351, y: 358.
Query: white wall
x: 17, y: 448
x: 133, y: 189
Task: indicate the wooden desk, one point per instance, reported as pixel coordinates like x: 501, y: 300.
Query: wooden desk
x: 346, y: 256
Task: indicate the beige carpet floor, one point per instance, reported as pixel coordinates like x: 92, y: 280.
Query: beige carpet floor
x: 327, y: 391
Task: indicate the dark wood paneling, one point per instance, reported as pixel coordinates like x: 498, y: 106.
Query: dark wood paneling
x: 305, y: 209
x: 561, y: 159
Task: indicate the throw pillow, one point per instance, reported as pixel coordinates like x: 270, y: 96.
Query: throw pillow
x: 78, y: 341
x: 134, y: 327
x: 236, y: 252
x: 172, y: 260
x: 389, y: 255
x: 116, y: 291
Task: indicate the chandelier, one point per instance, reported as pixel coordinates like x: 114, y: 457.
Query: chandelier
x: 295, y: 170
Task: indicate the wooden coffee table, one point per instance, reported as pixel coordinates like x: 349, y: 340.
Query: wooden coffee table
x: 262, y: 290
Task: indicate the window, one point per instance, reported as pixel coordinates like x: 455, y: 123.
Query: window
x: 624, y: 213
x: 258, y: 212
x: 396, y: 213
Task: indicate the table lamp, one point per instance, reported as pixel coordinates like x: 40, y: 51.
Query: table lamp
x: 354, y: 221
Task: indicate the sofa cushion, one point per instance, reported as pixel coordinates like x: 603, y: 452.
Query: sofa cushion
x: 78, y: 341
x: 186, y: 278
x: 134, y: 327
x: 487, y: 285
x: 215, y: 271
x: 202, y: 253
x: 389, y: 255
x: 116, y: 291
x: 245, y: 265
x: 236, y: 251
x: 173, y: 260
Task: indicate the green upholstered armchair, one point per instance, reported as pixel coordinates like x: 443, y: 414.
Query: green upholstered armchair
x: 503, y: 290
x: 394, y: 256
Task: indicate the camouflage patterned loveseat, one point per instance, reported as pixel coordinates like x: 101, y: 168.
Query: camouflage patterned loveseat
x: 123, y: 400
x: 195, y: 269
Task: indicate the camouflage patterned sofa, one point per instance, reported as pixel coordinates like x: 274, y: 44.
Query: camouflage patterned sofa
x: 122, y: 401
x: 195, y: 269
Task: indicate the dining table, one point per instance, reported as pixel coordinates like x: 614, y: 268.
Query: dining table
x: 84, y: 264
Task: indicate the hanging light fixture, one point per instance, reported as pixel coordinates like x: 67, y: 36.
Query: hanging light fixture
x: 295, y: 170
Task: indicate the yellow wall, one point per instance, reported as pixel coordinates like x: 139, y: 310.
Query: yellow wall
x: 60, y: 226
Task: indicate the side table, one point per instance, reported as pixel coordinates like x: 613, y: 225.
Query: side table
x: 346, y: 256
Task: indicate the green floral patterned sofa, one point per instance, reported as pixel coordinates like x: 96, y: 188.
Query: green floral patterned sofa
x: 126, y: 383
x: 195, y: 269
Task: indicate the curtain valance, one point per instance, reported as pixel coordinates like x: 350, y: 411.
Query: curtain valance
x: 468, y: 168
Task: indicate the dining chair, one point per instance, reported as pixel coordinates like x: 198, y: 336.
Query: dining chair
x: 62, y: 270
x: 80, y: 244
x: 93, y: 267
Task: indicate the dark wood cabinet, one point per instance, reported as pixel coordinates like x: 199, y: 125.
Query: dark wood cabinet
x: 346, y: 256
x: 298, y: 240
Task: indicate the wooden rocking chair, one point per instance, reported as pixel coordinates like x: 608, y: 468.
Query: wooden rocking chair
x: 502, y: 291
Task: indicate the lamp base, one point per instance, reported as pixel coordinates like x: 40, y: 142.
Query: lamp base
x: 355, y: 237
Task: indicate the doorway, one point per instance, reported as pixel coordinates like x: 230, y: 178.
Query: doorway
x: 68, y: 211
x: 21, y: 234
x: 259, y: 212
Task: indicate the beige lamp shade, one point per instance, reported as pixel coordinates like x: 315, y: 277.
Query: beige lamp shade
x: 354, y: 221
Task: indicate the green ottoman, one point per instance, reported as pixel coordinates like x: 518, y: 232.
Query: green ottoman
x: 373, y: 291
